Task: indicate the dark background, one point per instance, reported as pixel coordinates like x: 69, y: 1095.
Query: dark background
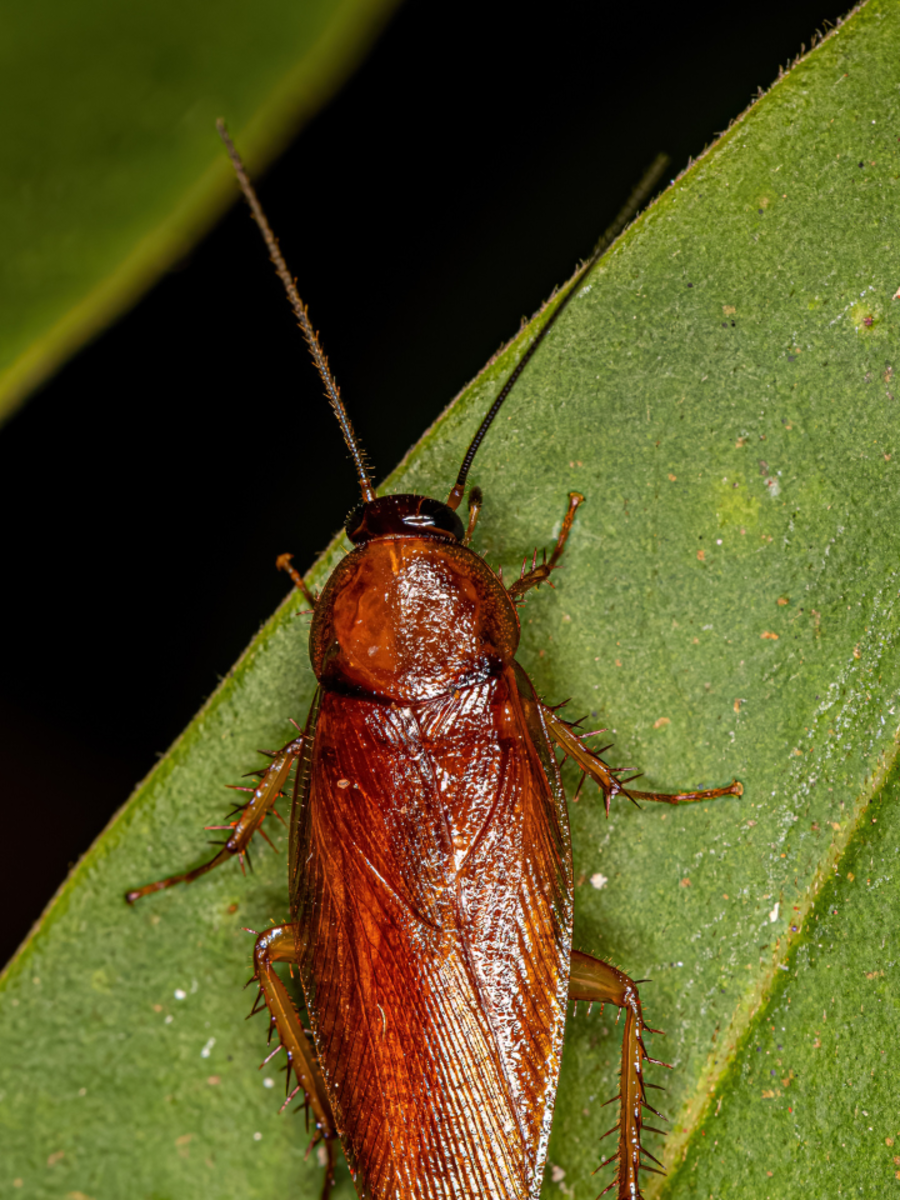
x: 455, y: 180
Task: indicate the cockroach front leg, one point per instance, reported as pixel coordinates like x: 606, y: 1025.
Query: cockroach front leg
x: 279, y: 944
x: 541, y: 574
x: 597, y: 981
x: 606, y: 777
x: 476, y: 499
x: 283, y: 563
x: 251, y: 817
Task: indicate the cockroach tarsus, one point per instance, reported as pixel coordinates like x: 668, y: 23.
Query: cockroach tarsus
x: 430, y: 877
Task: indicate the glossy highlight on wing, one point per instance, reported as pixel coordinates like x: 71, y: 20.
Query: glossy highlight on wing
x: 435, y: 916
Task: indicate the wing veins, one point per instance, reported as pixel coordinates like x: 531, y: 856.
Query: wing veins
x: 401, y: 899
x: 486, y: 1151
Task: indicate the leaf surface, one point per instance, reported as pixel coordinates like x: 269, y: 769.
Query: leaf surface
x: 112, y: 165
x: 722, y: 391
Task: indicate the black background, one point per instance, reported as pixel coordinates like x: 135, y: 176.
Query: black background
x: 453, y: 182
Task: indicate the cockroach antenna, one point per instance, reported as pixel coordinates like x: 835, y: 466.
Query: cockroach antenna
x: 312, y: 338
x: 634, y: 202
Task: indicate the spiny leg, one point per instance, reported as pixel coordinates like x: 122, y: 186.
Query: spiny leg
x: 541, y: 574
x: 605, y: 776
x: 279, y: 944
x: 594, y: 980
x: 252, y: 815
x: 283, y: 563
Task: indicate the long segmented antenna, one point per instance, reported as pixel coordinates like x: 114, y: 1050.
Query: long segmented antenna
x: 633, y: 203
x: 312, y: 338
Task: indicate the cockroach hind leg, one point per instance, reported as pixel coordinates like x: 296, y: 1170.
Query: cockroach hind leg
x: 268, y: 789
x: 327, y: 1142
x: 594, y: 980
x: 259, y: 1003
x: 279, y: 944
x: 577, y: 791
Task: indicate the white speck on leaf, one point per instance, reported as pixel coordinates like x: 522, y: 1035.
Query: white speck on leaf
x: 598, y: 881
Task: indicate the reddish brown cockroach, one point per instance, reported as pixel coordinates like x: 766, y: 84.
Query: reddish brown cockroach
x: 430, y: 876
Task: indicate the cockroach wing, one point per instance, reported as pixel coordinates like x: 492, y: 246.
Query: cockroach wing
x: 431, y: 887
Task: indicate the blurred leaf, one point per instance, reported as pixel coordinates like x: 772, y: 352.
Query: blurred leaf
x: 112, y: 169
x: 722, y: 390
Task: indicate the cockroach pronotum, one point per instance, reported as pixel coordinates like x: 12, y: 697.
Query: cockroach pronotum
x: 430, y: 877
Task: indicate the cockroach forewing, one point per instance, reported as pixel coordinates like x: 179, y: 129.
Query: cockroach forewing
x: 433, y: 902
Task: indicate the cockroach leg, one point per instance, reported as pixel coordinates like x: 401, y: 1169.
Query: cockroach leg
x: 594, y: 980
x: 575, y: 498
x: 283, y: 563
x: 572, y: 745
x: 279, y: 944
x: 605, y: 776
x: 541, y: 574
x: 266, y: 792
x: 734, y: 789
x: 476, y: 499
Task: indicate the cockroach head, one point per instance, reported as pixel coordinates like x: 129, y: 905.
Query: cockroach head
x: 403, y: 516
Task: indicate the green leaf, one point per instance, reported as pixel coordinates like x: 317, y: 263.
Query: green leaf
x: 722, y: 391
x: 111, y: 158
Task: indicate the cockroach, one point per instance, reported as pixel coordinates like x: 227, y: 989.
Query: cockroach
x: 430, y: 876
